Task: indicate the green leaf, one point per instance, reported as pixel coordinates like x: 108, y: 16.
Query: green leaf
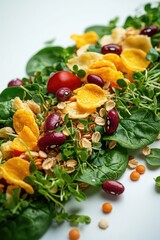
x: 137, y: 130
x: 110, y: 165
x: 153, y: 55
x: 157, y: 180
x: 31, y: 223
x: 153, y: 159
x: 121, y: 83
x: 47, y: 57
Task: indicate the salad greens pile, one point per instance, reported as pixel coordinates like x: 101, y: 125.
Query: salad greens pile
x: 28, y: 216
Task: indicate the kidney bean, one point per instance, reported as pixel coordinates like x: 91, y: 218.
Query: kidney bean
x: 111, y: 48
x: 63, y: 93
x: 112, y: 121
x: 113, y: 187
x: 149, y: 31
x: 52, y: 138
x: 52, y: 121
x: 95, y: 79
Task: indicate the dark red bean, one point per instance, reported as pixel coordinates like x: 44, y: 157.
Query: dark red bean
x: 53, y: 138
x: 95, y: 79
x: 111, y: 48
x: 15, y: 82
x: 113, y: 187
x: 63, y: 94
x: 52, y: 121
x: 149, y: 31
x: 112, y: 121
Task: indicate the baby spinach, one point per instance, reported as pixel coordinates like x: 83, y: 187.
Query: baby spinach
x: 48, y: 56
x: 137, y: 130
x: 105, y: 165
x: 153, y: 159
x: 31, y: 223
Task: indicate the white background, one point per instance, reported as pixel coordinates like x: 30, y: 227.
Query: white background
x: 25, y: 25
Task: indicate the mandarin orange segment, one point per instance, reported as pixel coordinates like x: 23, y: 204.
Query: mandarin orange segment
x: 83, y: 39
x: 23, y: 117
x: 90, y: 96
x: 25, y: 140
x: 134, y: 59
x: 14, y: 171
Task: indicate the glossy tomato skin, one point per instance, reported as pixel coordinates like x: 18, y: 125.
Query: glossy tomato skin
x: 63, y: 79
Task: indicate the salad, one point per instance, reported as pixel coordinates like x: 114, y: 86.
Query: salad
x: 72, y: 122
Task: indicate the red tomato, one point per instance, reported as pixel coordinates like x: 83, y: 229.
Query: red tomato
x: 16, y: 153
x: 63, y: 79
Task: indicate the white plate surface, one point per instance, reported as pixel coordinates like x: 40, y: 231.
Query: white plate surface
x: 24, y: 27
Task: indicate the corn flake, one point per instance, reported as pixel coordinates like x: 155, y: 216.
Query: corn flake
x: 139, y: 42
x: 14, y: 171
x: 134, y: 59
x: 107, y: 74
x: 75, y: 112
x: 116, y: 60
x: 23, y: 117
x: 90, y: 96
x: 84, y: 60
x: 83, y: 39
x: 25, y: 140
x: 103, y: 63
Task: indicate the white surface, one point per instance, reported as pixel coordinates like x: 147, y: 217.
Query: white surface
x: 24, y: 27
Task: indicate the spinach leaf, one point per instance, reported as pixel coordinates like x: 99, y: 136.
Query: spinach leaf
x: 48, y: 56
x: 153, y: 159
x: 31, y: 223
x: 138, y: 130
x: 107, y: 165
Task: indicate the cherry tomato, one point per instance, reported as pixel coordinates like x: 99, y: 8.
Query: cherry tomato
x: 63, y: 79
x: 16, y: 153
